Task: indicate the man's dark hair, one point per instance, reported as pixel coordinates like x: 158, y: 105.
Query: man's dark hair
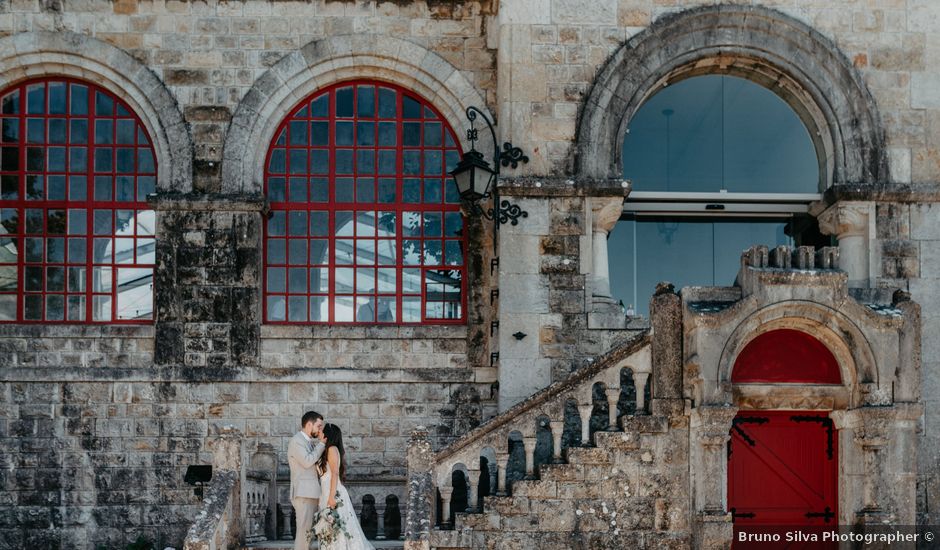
x: 310, y: 416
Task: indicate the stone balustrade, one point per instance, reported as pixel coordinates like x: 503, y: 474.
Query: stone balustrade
x: 257, y: 487
x: 215, y: 526
x: 432, y: 473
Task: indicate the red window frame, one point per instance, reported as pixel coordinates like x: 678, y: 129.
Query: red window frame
x: 76, y: 187
x: 278, y: 189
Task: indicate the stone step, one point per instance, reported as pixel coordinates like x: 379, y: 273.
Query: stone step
x: 646, y: 424
x: 506, y: 506
x: 283, y: 544
x: 617, y: 441
x: 561, y: 472
x: 477, y: 522
x: 534, y: 489
x: 588, y: 455
x: 451, y: 538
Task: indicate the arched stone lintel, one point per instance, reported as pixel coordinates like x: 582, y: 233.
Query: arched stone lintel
x: 851, y: 348
x: 834, y: 101
x: 328, y: 61
x: 65, y: 54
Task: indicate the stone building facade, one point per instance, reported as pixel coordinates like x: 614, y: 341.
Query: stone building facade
x: 100, y: 421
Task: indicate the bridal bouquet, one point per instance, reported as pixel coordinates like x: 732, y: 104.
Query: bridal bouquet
x: 329, y: 524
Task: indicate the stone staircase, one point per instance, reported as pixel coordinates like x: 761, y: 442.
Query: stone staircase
x: 625, y: 487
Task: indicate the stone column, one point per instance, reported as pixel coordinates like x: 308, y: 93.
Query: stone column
x: 529, y: 444
x: 852, y: 223
x: 417, y: 518
x: 605, y: 311
x: 585, y: 412
x: 473, y: 484
x: 558, y: 429
x: 710, y: 427
x: 666, y: 346
x: 613, y: 396
x: 494, y: 478
x: 872, y: 444
x: 907, y: 388
x: 502, y: 462
x: 446, y: 493
x: 287, y: 514
x: 379, y: 521
x: 639, y: 382
x: 605, y: 211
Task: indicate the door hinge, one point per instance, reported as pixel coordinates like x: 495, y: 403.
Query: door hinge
x: 827, y: 515
x: 735, y: 514
x: 826, y: 423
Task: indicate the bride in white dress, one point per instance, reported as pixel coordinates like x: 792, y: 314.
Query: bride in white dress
x: 332, y: 469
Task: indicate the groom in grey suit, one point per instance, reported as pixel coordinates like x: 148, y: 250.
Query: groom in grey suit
x: 303, y: 451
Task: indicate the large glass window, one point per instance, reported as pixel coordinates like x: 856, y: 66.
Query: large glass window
x: 718, y: 133
x: 363, y: 226
x: 718, y: 163
x: 76, y: 233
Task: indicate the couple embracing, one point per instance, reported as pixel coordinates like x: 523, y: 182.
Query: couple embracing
x: 317, y: 471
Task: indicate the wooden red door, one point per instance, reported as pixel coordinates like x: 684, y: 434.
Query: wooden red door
x: 782, y: 469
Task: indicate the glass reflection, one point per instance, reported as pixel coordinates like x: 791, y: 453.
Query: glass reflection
x: 684, y: 251
x: 716, y: 132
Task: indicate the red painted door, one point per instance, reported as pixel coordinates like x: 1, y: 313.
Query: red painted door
x: 782, y: 470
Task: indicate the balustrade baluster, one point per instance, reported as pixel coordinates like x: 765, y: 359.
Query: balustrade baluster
x: 585, y: 412
x: 446, y: 493
x: 639, y: 381
x: 613, y: 396
x: 558, y: 429
x: 502, y: 463
x: 529, y: 444
x: 473, y: 483
x: 379, y: 521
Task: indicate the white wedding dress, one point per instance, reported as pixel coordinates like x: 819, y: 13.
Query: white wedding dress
x: 357, y: 539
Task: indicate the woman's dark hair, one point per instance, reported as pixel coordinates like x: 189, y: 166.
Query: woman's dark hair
x: 334, y: 438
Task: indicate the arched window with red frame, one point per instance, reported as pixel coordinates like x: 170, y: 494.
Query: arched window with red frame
x: 76, y: 233
x: 364, y: 226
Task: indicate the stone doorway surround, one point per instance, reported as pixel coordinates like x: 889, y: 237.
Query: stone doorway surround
x: 875, y: 409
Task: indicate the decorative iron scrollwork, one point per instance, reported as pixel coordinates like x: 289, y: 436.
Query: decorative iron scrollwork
x: 509, y: 212
x: 512, y: 156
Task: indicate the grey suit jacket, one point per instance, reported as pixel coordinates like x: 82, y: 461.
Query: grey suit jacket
x: 302, y: 456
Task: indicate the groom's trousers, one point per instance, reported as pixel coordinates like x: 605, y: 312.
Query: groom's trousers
x: 305, y: 509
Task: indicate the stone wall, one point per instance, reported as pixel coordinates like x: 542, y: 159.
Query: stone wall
x: 97, y: 424
x: 209, y: 54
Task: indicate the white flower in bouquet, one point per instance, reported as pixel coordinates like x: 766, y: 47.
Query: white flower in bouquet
x: 329, y: 525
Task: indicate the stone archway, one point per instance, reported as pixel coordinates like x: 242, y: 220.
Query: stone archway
x: 798, y: 63
x: 324, y: 62
x: 32, y: 54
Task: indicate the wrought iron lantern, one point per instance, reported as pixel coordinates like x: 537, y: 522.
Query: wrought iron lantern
x: 476, y: 179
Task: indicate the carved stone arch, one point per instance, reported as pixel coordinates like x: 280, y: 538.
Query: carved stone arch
x: 62, y: 53
x: 832, y: 328
x: 324, y: 62
x: 803, y: 67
